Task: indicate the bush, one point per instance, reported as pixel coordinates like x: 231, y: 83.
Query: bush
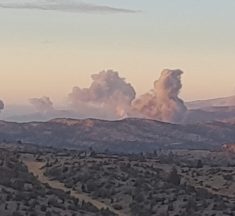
x: 174, y: 177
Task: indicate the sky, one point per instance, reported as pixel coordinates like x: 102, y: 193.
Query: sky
x: 46, y: 51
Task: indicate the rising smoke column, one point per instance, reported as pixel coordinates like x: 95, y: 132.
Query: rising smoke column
x: 162, y: 103
x: 109, y: 96
x: 1, y: 105
x: 43, y: 105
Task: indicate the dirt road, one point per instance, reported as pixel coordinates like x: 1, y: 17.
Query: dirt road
x: 35, y: 168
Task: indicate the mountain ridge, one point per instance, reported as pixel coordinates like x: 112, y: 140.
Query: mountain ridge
x: 213, y: 102
x: 127, y: 135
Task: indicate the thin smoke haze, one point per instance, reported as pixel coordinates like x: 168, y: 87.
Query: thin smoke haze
x: 72, y: 6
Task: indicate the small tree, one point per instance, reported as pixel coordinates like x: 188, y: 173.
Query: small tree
x: 83, y: 188
x: 174, y: 177
x: 199, y: 164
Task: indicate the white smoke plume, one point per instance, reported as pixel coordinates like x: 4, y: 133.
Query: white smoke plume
x: 1, y: 105
x: 162, y: 103
x: 109, y: 96
x: 112, y: 97
x: 43, y: 105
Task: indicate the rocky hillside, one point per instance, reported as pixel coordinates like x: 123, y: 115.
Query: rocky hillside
x: 23, y: 194
x: 128, y: 135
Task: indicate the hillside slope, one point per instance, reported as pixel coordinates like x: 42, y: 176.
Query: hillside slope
x: 216, y: 102
x: 128, y: 135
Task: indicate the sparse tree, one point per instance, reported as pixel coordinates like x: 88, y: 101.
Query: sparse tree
x: 174, y: 177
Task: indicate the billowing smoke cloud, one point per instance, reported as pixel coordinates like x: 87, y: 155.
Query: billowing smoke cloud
x: 109, y: 96
x: 73, y: 6
x: 112, y: 97
x: 43, y: 105
x: 163, y: 103
x: 1, y: 105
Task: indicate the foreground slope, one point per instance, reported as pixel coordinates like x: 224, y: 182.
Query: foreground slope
x: 23, y: 194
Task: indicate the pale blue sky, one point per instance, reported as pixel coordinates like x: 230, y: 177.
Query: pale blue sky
x: 49, y: 52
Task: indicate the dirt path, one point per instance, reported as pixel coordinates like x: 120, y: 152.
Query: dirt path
x: 35, y: 168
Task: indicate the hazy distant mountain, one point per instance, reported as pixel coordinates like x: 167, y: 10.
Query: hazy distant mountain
x: 15, y: 110
x: 38, y: 116
x: 201, y: 111
x: 129, y: 135
x: 217, y: 102
x: 210, y: 114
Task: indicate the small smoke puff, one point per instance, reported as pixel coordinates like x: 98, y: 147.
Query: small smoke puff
x: 1, y: 105
x: 162, y: 103
x: 43, y: 104
x: 108, y: 91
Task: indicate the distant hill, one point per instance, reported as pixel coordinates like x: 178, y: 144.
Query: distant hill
x: 209, y: 114
x: 217, y: 102
x: 128, y: 135
x: 201, y: 111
